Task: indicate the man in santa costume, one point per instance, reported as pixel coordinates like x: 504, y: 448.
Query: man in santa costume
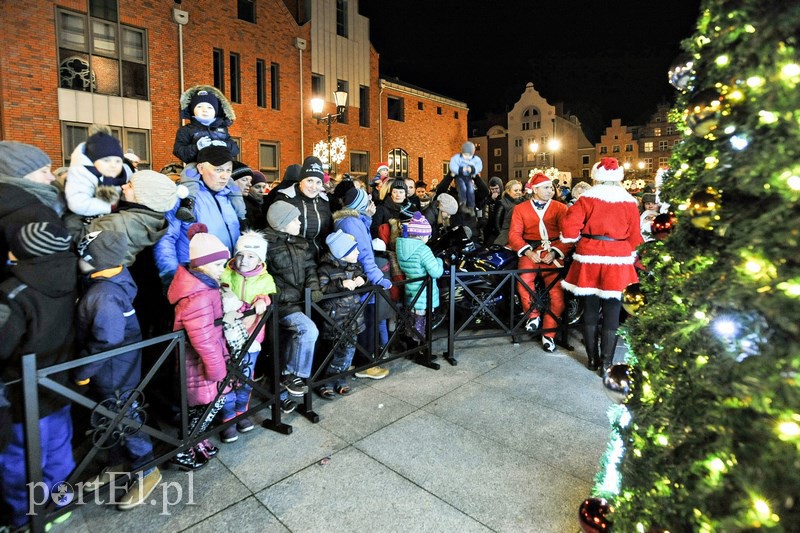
x: 534, y: 235
x: 605, y: 224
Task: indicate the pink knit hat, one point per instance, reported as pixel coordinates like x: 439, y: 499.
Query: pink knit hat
x: 204, y: 248
x: 418, y: 226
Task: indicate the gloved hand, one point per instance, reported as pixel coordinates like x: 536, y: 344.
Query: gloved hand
x: 203, y: 142
x: 316, y: 296
x: 166, y: 281
x: 385, y: 284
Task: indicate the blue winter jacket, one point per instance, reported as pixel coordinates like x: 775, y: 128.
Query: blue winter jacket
x: 416, y: 260
x: 105, y: 319
x: 212, y: 209
x: 357, y: 224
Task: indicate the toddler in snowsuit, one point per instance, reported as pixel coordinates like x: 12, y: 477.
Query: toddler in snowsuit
x: 465, y: 166
x: 209, y: 114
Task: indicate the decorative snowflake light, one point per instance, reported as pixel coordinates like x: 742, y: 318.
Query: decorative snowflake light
x: 338, y: 149
x: 551, y: 172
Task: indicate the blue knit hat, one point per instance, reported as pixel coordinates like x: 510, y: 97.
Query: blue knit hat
x: 204, y: 96
x: 357, y: 199
x: 102, y: 145
x: 341, y: 244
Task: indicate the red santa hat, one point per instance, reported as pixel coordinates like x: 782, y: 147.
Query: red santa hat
x: 383, y: 166
x: 607, y: 169
x: 538, y: 180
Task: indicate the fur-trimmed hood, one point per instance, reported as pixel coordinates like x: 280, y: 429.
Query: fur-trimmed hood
x: 345, y: 212
x: 226, y: 113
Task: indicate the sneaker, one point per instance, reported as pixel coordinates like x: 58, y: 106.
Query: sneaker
x: 62, y: 519
x: 533, y: 324
x: 548, y: 344
x: 288, y: 406
x: 229, y: 435
x: 186, y: 210
x: 189, y: 460
x: 294, y: 385
x: 140, y: 489
x: 244, y: 425
x: 375, y: 372
x: 105, y: 477
x: 206, y: 449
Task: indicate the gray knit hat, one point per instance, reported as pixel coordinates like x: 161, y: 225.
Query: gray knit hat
x: 17, y: 160
x: 468, y: 148
x: 104, y: 249
x: 38, y: 239
x: 280, y: 214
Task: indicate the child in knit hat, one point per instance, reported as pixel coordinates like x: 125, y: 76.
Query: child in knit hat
x: 195, y: 293
x: 96, y: 174
x: 248, y: 280
x: 291, y: 263
x: 465, y: 166
x: 106, y: 319
x: 417, y: 261
x: 210, y: 115
x: 339, y: 273
x: 39, y: 297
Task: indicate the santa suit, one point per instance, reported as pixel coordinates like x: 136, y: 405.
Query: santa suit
x: 538, y: 229
x: 605, y: 224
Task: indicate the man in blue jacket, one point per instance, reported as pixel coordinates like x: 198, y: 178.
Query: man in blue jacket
x: 213, y: 208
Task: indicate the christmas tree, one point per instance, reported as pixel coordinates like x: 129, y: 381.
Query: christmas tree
x: 709, y: 437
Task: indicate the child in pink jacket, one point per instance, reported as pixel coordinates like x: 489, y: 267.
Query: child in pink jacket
x: 198, y: 304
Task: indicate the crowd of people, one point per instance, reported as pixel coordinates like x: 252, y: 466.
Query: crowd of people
x: 207, y: 242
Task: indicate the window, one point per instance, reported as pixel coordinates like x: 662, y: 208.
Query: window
x: 584, y: 159
x: 363, y: 111
x: 657, y: 132
x: 238, y: 142
x: 137, y: 140
x: 269, y: 160
x: 420, y: 107
x: 517, y: 158
x: 236, y: 76
x: 455, y: 115
x: 261, y: 83
x: 219, y: 69
x: 526, y: 126
x: 398, y: 162
x: 394, y: 109
x: 275, y: 87
x: 498, y: 167
x: 342, y: 85
x: 529, y: 157
x: 531, y: 119
x: 438, y: 110
x: 445, y: 168
x: 421, y: 169
x: 246, y: 10
x: 517, y: 174
x: 341, y: 18
x: 669, y: 130
x: 517, y: 143
x: 663, y: 146
x: 615, y: 149
x: 317, y: 86
x: 663, y: 162
x: 629, y: 148
x: 97, y: 54
x: 648, y: 146
x: 359, y: 164
x: 648, y: 163
x: 604, y: 149
x: 498, y: 152
x: 676, y: 142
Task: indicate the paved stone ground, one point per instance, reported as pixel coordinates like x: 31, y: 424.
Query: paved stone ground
x: 508, y: 440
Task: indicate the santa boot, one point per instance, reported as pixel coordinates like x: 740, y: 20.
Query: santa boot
x: 608, y: 345
x: 590, y: 343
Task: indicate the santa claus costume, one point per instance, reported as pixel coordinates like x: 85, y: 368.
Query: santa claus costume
x: 534, y: 234
x: 605, y: 224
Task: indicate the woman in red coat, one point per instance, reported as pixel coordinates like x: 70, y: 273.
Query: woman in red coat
x: 605, y: 224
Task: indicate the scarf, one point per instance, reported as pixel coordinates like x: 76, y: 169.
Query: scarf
x: 45, y: 193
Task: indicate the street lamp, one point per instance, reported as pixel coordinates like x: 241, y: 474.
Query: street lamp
x: 317, y: 104
x: 553, y: 145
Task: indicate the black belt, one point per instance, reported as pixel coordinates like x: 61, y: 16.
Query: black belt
x: 600, y: 237
x: 536, y: 244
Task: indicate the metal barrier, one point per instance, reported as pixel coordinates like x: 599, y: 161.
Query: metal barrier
x: 111, y: 422
x: 497, y: 295
x: 375, y: 354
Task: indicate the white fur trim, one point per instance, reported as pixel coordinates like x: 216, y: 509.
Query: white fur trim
x: 601, y: 174
x: 524, y: 249
x: 568, y: 240
x: 603, y: 259
x: 609, y: 193
x: 591, y: 291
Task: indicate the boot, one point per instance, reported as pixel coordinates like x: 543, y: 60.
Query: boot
x: 186, y: 210
x: 608, y: 345
x: 590, y: 343
x: 189, y: 460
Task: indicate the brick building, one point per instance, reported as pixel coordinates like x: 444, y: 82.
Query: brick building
x: 70, y: 63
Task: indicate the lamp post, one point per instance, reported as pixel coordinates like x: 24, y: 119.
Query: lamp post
x: 317, y: 104
x: 553, y: 145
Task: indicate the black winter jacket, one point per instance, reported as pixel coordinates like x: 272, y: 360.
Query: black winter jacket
x: 185, y: 147
x: 316, y: 219
x: 292, y: 265
x: 332, y: 272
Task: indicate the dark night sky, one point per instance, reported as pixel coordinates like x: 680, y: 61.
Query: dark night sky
x: 604, y: 59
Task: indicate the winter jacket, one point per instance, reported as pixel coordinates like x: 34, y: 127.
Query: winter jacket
x: 212, y: 209
x: 503, y: 217
x: 41, y: 295
x: 292, y: 265
x: 417, y: 260
x: 458, y: 165
x: 105, y: 319
x: 389, y: 210
x: 197, y: 305
x: 17, y: 208
x: 382, y: 261
x: 432, y: 214
x: 332, y: 272
x: 144, y: 227
x: 256, y: 216
x: 315, y: 216
x: 250, y: 287
x: 81, y: 186
x: 185, y: 147
x: 357, y: 224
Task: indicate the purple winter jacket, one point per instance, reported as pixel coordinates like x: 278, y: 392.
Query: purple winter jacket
x: 197, y: 304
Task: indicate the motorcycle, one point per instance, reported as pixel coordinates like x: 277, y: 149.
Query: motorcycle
x: 457, y: 247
